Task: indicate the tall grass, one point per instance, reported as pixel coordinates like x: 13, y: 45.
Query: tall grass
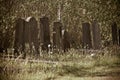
x: 74, y: 63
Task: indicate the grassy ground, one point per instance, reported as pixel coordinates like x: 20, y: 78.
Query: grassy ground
x: 72, y: 65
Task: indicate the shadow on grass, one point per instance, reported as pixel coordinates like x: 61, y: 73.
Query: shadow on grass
x: 85, y: 72
x: 73, y: 70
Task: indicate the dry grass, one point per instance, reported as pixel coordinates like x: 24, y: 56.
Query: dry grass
x: 72, y: 65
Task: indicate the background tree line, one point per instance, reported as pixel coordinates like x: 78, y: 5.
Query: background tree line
x: 73, y: 13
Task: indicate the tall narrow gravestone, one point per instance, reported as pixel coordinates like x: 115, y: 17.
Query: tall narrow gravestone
x: 44, y: 32
x: 66, y: 40
x: 96, y: 35
x: 31, y: 33
x: 86, y: 37
x: 27, y: 36
x: 19, y: 32
x: 114, y: 33
x: 57, y: 35
x: 119, y: 37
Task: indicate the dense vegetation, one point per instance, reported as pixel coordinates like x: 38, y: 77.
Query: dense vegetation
x: 73, y: 13
x: 75, y: 64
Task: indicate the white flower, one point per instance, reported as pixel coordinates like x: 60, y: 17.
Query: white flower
x: 48, y: 45
x: 92, y: 54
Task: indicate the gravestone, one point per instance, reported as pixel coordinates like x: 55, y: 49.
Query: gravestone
x: 57, y: 35
x: 119, y: 37
x: 19, y: 38
x: 44, y: 33
x: 66, y: 40
x: 86, y: 37
x: 96, y: 35
x: 26, y: 32
x: 114, y: 33
x: 31, y: 33
x: 27, y: 36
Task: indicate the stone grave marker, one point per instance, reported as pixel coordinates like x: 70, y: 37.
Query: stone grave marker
x: 31, y: 33
x: 44, y: 33
x: 96, y: 35
x: 86, y: 37
x: 66, y: 40
x: 57, y: 35
x: 19, y: 38
x: 114, y: 33
x: 119, y: 37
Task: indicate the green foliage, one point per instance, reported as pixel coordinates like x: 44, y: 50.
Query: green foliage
x: 73, y: 13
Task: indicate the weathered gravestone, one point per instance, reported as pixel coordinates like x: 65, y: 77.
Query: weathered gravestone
x: 86, y: 37
x: 57, y: 35
x: 114, y: 33
x: 65, y: 40
x: 119, y: 37
x: 19, y: 38
x: 31, y: 34
x: 44, y: 33
x: 96, y: 35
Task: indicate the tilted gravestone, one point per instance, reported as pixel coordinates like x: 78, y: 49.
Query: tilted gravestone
x: 44, y: 33
x: 86, y: 37
x: 57, y: 35
x: 31, y: 33
x: 114, y: 33
x: 65, y: 40
x: 96, y: 35
x: 19, y: 38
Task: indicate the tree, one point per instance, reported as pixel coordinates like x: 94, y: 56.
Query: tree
x: 73, y: 13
